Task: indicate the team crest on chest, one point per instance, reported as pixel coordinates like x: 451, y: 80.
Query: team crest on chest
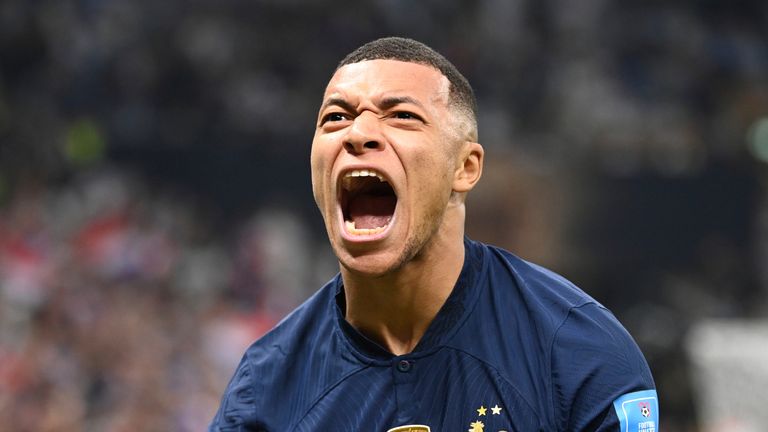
x: 485, y: 419
x: 410, y: 428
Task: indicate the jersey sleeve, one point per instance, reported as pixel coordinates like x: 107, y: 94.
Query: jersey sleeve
x: 595, y: 363
x: 236, y: 412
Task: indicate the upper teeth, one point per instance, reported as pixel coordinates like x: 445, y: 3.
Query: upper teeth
x: 364, y: 173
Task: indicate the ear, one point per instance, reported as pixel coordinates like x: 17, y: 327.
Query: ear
x: 469, y: 167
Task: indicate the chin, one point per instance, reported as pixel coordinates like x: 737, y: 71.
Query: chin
x: 379, y: 258
x: 370, y: 264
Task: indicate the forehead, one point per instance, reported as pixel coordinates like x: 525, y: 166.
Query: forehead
x: 377, y: 78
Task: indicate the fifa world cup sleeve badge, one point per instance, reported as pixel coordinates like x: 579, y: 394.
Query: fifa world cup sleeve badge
x: 638, y: 411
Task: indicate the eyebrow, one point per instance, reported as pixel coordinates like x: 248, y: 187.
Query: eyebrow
x: 341, y: 103
x: 393, y: 101
x: 386, y: 103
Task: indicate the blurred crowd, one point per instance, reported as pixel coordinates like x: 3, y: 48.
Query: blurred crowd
x: 120, y: 310
x: 155, y: 204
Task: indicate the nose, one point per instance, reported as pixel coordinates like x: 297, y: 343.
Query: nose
x: 364, y: 134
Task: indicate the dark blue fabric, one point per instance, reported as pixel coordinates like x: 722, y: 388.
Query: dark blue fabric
x: 515, y: 347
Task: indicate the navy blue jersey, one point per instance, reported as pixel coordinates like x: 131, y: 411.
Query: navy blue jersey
x: 514, y: 348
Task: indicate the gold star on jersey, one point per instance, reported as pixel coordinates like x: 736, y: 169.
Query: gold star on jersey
x: 495, y: 422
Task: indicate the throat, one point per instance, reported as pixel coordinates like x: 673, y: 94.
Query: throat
x: 393, y: 311
x: 397, y: 337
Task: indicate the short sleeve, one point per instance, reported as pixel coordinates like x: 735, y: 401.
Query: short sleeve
x: 237, y: 405
x: 594, y: 363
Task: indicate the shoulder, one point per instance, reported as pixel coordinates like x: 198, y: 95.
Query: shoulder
x: 539, y: 281
x: 540, y: 295
x: 529, y: 296
x: 567, y: 318
x: 302, y: 326
x: 294, y: 361
x: 573, y: 348
x: 594, y: 361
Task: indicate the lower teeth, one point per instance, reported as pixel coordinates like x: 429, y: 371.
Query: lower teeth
x: 350, y: 225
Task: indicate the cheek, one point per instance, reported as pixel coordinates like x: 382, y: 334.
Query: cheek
x: 318, y: 166
x: 435, y: 169
x: 433, y: 183
x: 323, y: 155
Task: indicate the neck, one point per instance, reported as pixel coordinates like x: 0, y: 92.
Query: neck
x: 396, y: 309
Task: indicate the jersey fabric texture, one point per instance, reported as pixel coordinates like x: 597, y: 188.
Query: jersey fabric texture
x: 514, y: 348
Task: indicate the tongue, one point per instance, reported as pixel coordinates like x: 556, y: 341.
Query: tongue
x: 370, y: 211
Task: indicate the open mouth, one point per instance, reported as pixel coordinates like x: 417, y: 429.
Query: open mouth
x: 367, y: 201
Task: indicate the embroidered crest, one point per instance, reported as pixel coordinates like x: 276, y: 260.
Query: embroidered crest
x: 410, y: 428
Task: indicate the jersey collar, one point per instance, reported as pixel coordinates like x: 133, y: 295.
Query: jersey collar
x: 448, y: 319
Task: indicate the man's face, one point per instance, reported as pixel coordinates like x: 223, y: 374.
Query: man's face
x: 383, y: 161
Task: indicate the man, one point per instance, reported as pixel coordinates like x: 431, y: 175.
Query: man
x: 423, y: 329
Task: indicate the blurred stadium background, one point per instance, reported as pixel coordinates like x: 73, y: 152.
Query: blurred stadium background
x: 156, y: 213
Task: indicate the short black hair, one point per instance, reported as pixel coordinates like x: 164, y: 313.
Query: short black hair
x: 409, y: 50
